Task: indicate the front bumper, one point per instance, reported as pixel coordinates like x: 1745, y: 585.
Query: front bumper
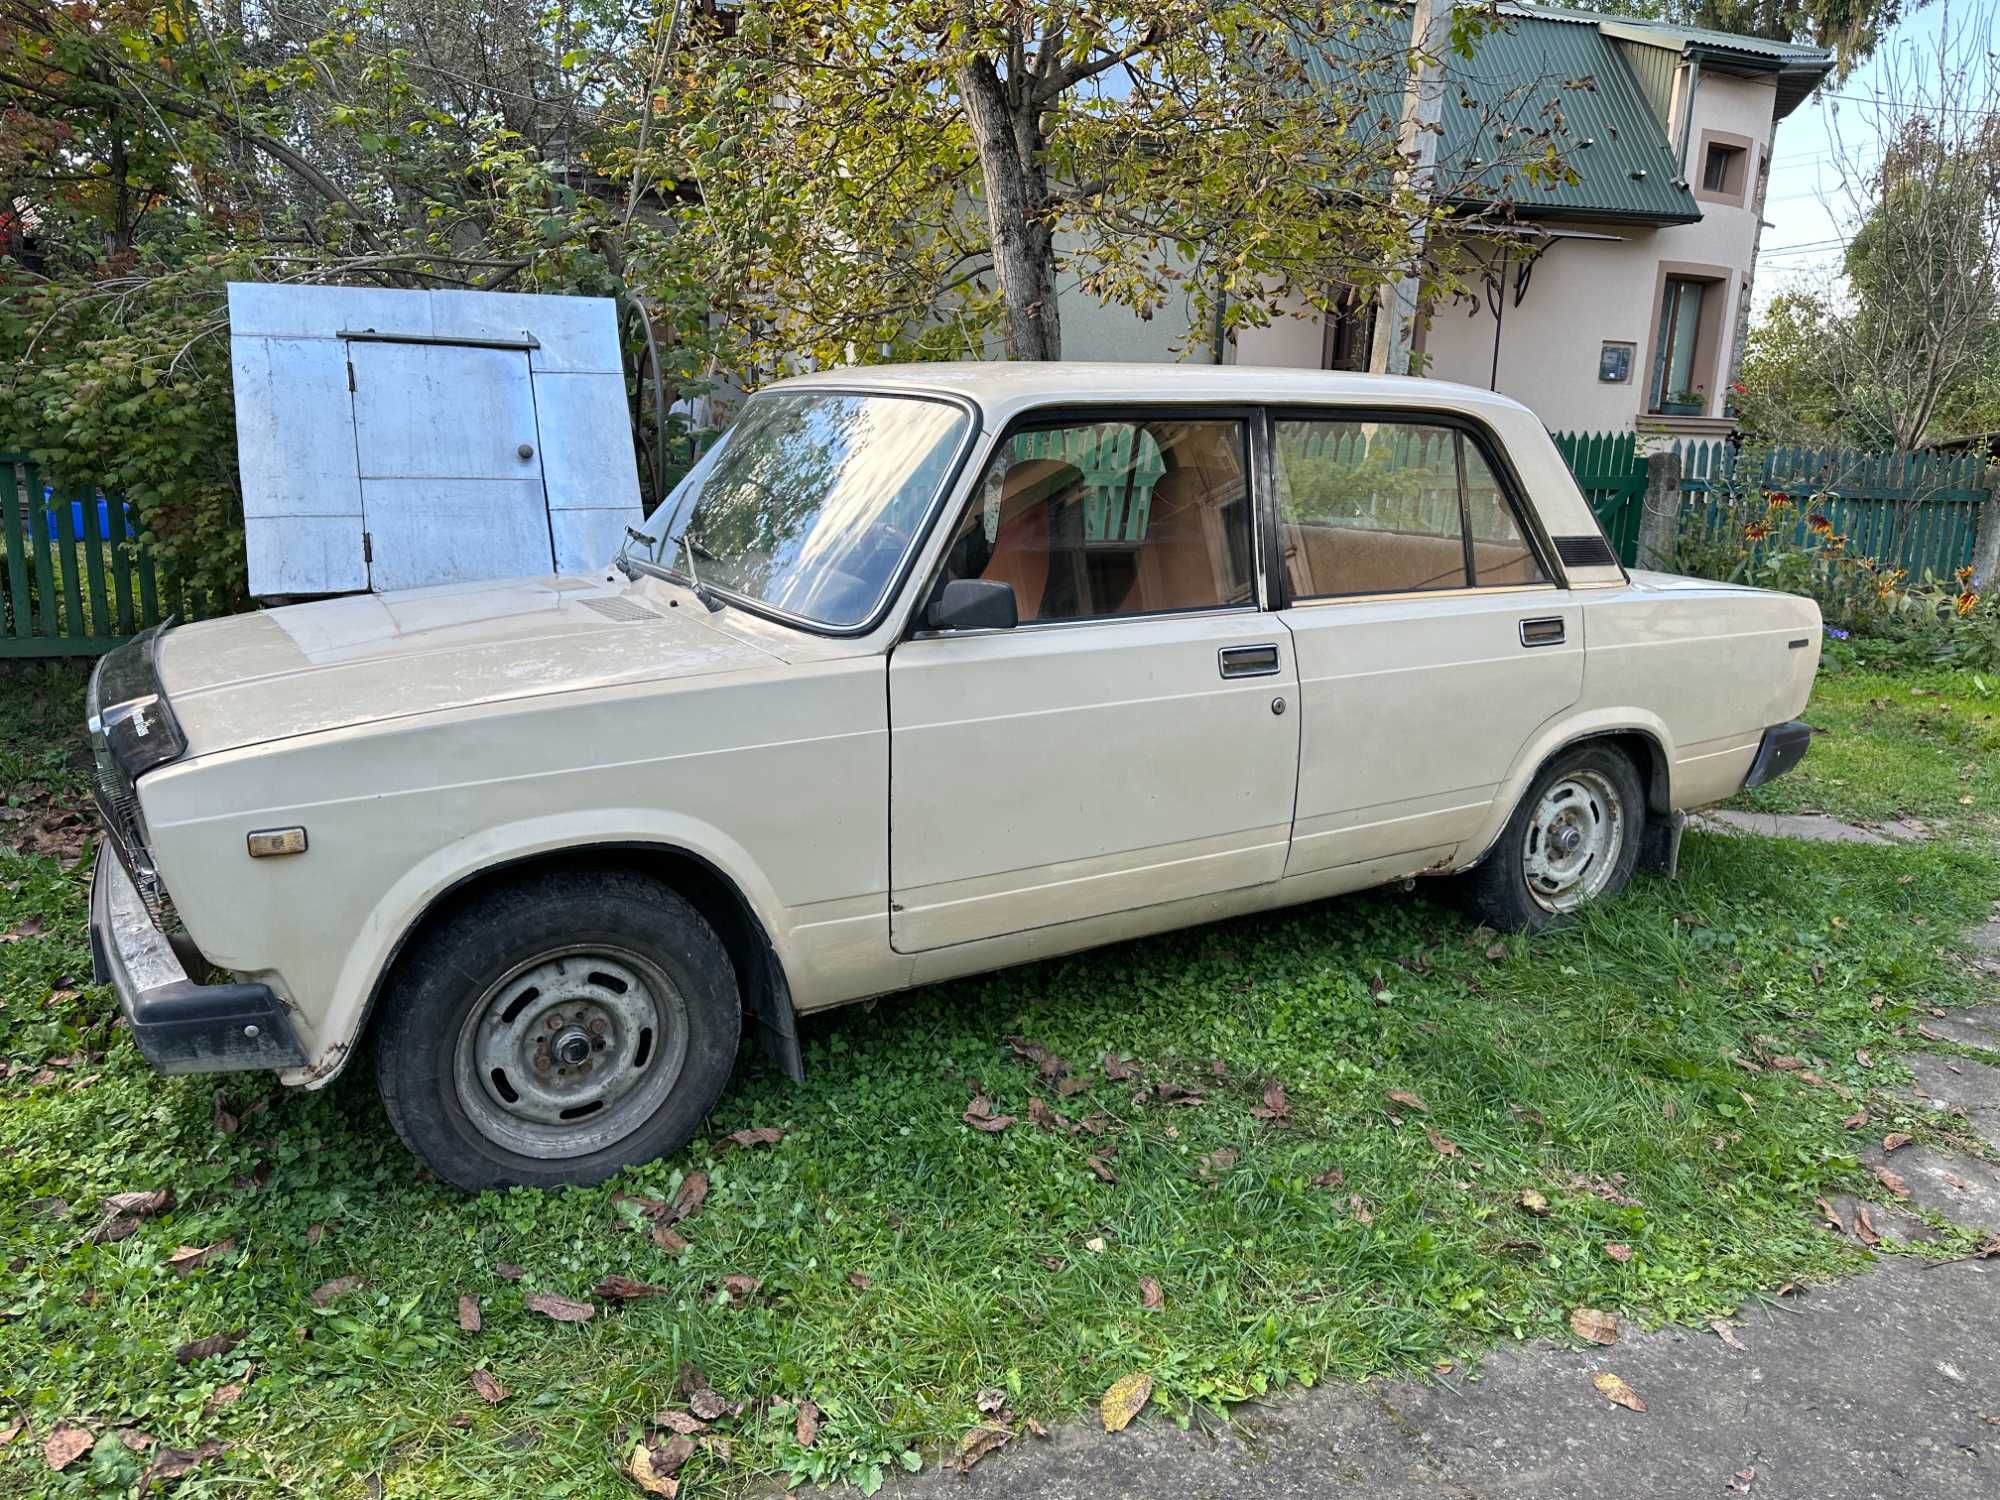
x: 179, y: 1026
x: 1784, y: 746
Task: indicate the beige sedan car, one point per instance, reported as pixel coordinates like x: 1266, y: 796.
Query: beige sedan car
x: 922, y: 671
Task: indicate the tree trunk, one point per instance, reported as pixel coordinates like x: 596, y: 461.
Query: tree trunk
x: 1007, y: 135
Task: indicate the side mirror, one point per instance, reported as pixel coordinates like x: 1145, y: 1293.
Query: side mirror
x: 974, y: 604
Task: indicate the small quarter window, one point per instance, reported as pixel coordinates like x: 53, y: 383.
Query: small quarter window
x: 1722, y: 169
x: 1391, y: 508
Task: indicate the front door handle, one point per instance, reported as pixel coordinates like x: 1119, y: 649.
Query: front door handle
x: 1545, y: 632
x: 1249, y: 661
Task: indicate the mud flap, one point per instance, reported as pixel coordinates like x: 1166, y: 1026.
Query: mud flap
x: 1660, y: 846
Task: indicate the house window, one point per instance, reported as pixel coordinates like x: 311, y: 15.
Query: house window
x: 1678, y: 379
x: 1722, y: 169
x: 1347, y: 332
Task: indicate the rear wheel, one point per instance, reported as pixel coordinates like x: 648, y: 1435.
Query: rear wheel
x: 558, y: 1028
x: 1573, y: 839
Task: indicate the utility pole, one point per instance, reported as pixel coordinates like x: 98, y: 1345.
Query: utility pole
x: 1416, y: 143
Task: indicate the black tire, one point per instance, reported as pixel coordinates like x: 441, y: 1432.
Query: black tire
x: 1505, y: 893
x: 622, y: 941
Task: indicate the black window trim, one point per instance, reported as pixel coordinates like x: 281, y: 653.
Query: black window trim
x: 1247, y: 416
x: 1512, y: 492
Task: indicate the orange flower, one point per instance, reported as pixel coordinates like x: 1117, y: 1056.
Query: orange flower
x: 1966, y: 602
x: 1836, y: 544
x: 1756, y: 531
x: 1965, y: 576
x: 1820, y: 525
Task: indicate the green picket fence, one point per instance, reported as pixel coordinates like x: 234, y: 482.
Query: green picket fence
x: 74, y: 578
x: 1915, y: 511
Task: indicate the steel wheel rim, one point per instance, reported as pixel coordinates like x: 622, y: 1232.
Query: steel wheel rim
x: 1574, y: 839
x: 571, y: 1051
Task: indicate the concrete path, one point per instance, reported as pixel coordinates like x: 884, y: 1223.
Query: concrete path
x: 1882, y: 1387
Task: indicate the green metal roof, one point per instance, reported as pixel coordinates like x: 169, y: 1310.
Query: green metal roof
x: 1538, y: 73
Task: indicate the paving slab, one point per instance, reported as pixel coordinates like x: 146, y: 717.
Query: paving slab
x: 1959, y: 1187
x: 1962, y: 1084
x: 1976, y: 1026
x: 1875, y: 1388
x: 1816, y: 828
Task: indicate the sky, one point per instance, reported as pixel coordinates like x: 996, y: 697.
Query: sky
x: 1801, y: 237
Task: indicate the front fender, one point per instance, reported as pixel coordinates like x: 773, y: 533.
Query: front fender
x: 405, y: 903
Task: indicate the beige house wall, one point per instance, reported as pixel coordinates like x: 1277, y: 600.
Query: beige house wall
x: 1582, y: 294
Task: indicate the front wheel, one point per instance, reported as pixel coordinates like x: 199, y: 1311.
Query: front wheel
x: 1574, y: 838
x: 557, y: 1028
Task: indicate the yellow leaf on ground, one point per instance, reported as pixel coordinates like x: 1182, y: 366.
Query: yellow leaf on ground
x: 1596, y: 1327
x: 1124, y: 1401
x: 1616, y: 1391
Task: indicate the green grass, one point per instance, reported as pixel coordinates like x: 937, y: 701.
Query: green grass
x: 1592, y: 1065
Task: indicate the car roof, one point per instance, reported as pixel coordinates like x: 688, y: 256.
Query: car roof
x: 1003, y: 388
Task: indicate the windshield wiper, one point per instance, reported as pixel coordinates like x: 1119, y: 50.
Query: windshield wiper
x: 689, y: 547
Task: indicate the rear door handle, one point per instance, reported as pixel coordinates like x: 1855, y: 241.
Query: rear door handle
x: 1546, y: 632
x: 1249, y: 661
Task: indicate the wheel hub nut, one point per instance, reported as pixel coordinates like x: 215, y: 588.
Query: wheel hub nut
x: 572, y: 1047
x: 1567, y: 838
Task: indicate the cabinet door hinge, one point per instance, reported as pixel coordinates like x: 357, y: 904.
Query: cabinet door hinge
x: 367, y: 547
x: 350, y: 375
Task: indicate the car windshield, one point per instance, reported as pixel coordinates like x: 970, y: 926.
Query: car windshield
x: 810, y: 501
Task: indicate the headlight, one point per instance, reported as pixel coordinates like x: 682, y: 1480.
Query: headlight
x: 128, y: 713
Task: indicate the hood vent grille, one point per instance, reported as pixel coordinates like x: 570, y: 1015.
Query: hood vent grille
x: 625, y: 611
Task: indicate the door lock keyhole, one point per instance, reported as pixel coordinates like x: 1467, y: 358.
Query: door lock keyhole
x: 1278, y: 706
x: 526, y: 450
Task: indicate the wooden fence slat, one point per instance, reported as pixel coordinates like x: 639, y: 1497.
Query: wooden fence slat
x: 13, y: 500
x: 121, y: 567
x: 72, y: 584
x: 93, y: 564
x: 40, y: 546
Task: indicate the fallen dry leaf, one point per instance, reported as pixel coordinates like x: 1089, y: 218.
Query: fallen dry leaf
x: 652, y: 1469
x: 688, y: 1201
x: 140, y: 1205
x: 1832, y: 1219
x: 979, y: 1115
x: 685, y: 1423
x: 225, y: 1119
x: 208, y: 1348
x: 1864, y: 1227
x: 468, y: 1313
x: 990, y: 1400
x: 1895, y: 1140
x: 314, y: 1234
x: 1073, y: 1085
x: 1739, y: 1482
x: 740, y: 1286
x: 1727, y: 1334
x: 506, y: 1270
x: 171, y: 1463
x: 1219, y: 1160
x: 1103, y: 1171
x: 66, y: 1445
x: 1044, y: 1118
x: 491, y: 1391
x: 1534, y: 1203
x: 1861, y: 1056
x: 860, y: 1280
x: 706, y: 1404
x: 1124, y: 1401
x: 1785, y: 1064
x: 1617, y: 1391
x: 625, y: 1289
x: 1118, y: 1070
x: 979, y: 1442
x: 1893, y: 1182
x: 562, y: 1309
x: 27, y: 928
x: 340, y: 1286
x: 668, y: 1239
x: 11, y: 1431
x: 223, y: 1395
x: 1332, y: 1177
x: 1596, y: 1327
x: 1150, y: 1295
x: 1856, y: 1120
x: 762, y: 1135
x: 1358, y: 1206
x: 1619, y: 1253
x: 190, y: 1257
x: 806, y: 1427
x: 1443, y: 1145
x: 1275, y: 1106
x: 1408, y: 1100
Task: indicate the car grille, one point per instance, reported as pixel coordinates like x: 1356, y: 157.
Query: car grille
x: 125, y: 826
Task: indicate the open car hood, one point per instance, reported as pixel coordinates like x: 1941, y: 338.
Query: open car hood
x: 253, y: 678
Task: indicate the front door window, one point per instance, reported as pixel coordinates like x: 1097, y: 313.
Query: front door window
x: 1674, y: 377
